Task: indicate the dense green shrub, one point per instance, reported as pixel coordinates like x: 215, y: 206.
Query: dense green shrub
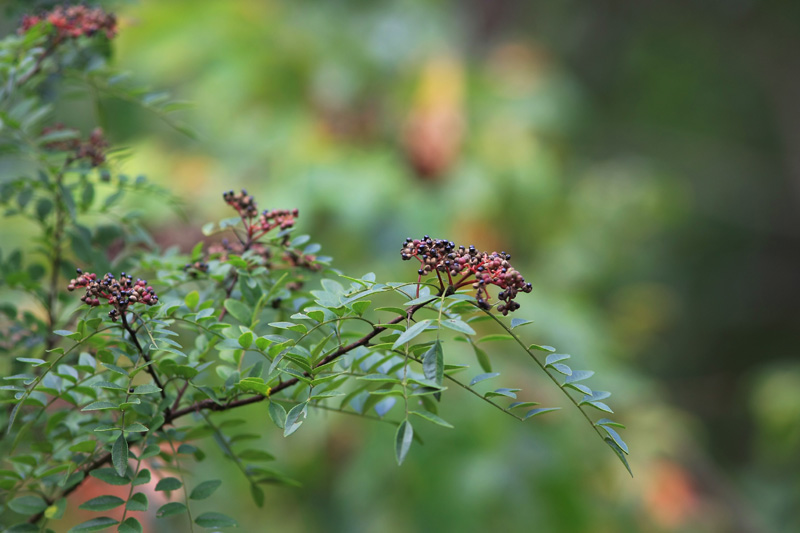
x: 110, y: 376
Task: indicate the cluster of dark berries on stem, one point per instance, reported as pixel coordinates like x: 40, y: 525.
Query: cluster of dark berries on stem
x: 257, y: 225
x: 92, y: 149
x: 71, y: 22
x: 120, y: 293
x: 296, y: 259
x: 244, y: 203
x: 458, y: 267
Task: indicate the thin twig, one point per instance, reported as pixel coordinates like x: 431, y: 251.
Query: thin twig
x: 544, y: 369
x: 39, y: 62
x: 228, y: 292
x: 142, y: 353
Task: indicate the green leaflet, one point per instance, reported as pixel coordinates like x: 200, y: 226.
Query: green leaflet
x: 205, y: 489
x: 411, y: 333
x: 211, y: 520
x: 403, y: 438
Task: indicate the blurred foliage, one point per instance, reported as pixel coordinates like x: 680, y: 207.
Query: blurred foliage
x: 641, y: 159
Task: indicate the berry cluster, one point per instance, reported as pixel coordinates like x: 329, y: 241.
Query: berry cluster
x: 277, y: 218
x: 120, y: 293
x: 297, y: 259
x: 244, y: 203
x: 479, y: 269
x: 92, y: 149
x: 273, y: 255
x: 71, y: 22
x: 269, y: 219
x: 290, y: 258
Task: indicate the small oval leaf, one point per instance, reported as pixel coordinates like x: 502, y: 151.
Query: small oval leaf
x: 169, y: 483
x: 169, y: 509
x: 539, y: 411
x: 209, y: 520
x: 411, y: 332
x: 102, y: 503
x: 482, y: 377
x: 403, y: 438
x: 205, y: 489
x: 119, y: 455
x: 95, y: 524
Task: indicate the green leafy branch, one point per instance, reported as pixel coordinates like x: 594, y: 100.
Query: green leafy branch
x: 572, y: 379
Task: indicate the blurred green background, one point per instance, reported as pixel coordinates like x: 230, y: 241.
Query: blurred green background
x: 639, y: 160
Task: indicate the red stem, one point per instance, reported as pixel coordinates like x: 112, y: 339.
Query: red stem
x: 441, y: 283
